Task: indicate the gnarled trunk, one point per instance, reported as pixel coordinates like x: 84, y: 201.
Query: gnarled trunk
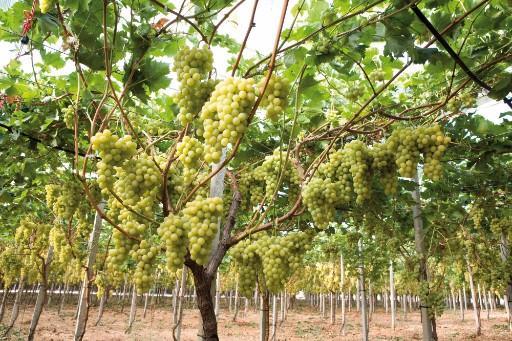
x: 41, y: 295
x: 476, y: 307
x: 419, y: 235
x: 203, y: 284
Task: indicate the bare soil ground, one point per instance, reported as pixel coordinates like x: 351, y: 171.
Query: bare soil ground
x: 301, y: 324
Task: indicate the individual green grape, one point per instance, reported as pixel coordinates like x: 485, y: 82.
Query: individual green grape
x: 201, y: 220
x: 174, y: 235
x: 225, y: 115
x: 275, y: 98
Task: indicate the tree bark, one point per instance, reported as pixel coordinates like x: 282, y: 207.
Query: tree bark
x: 274, y: 316
x: 392, y: 295
x: 145, y: 304
x: 133, y: 310
x: 236, y: 301
x: 4, y: 300
x: 264, y: 316
x: 175, y: 302
x: 85, y: 293
x: 342, y: 285
x: 16, y: 306
x: 181, y: 300
x: 41, y: 295
x: 217, y: 295
x: 460, y: 306
x: 465, y: 296
x: 505, y: 255
x: 63, y: 297
x: 333, y: 308
x: 203, y: 284
x: 419, y: 235
x: 102, y: 307
x: 476, y: 307
x: 362, y: 297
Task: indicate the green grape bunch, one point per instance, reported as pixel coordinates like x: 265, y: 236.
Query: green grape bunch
x: 225, y: 115
x: 113, y: 151
x: 175, y: 238
x: 190, y: 152
x: 192, y: 66
x: 201, y: 220
x: 145, y: 256
x: 278, y: 173
x: 275, y: 98
x: 69, y: 116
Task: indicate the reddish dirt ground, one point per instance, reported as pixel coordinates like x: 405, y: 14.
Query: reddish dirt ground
x: 301, y: 324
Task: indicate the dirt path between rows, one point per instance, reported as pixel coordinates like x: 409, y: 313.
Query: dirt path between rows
x: 301, y: 324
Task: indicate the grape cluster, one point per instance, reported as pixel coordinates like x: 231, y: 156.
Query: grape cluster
x: 201, y: 220
x: 274, y: 167
x: 69, y: 116
x: 384, y: 164
x: 144, y: 255
x: 11, y: 265
x: 252, y: 189
x: 354, y: 92
x: 477, y: 214
x: 64, y: 199
x: 321, y: 197
x: 225, y: 115
x: 499, y: 225
x: 62, y: 250
x: 275, y: 98
x: 31, y: 239
x: 351, y: 169
x: 248, y: 265
x: 281, y: 257
x: 277, y: 257
x: 378, y: 75
x: 138, y: 185
x: 173, y: 233
x: 192, y: 67
x: 113, y: 151
x: 360, y: 161
x: 46, y: 5
x: 330, y: 189
x: 409, y: 144
x: 190, y: 152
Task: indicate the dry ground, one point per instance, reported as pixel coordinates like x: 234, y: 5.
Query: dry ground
x: 302, y: 324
